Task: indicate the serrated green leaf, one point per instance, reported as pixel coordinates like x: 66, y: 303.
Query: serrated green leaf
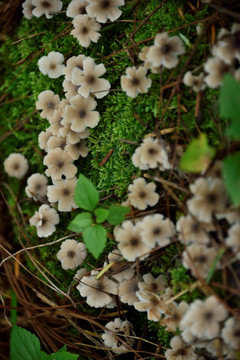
x: 24, y: 345
x: 63, y: 349
x: 101, y: 215
x: 86, y: 195
x: 44, y: 356
x: 231, y: 175
x: 230, y: 104
x: 117, y: 214
x: 95, y: 239
x: 197, y: 156
x: 80, y: 222
x: 63, y: 355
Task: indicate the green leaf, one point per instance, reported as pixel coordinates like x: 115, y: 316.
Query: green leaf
x: 86, y: 195
x: 230, y: 104
x: 101, y: 215
x: 24, y: 345
x: 230, y: 98
x: 117, y: 214
x: 197, y: 156
x: 80, y: 222
x: 234, y: 130
x: 231, y: 175
x: 95, y: 239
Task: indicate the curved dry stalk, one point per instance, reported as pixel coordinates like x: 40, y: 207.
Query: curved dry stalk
x: 36, y: 247
x: 52, y: 286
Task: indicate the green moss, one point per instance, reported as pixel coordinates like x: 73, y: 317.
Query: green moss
x: 163, y: 336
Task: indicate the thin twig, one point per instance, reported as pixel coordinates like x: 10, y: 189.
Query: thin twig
x: 167, y: 183
x: 129, y: 142
x: 28, y: 37
x: 224, y: 10
x: 144, y: 22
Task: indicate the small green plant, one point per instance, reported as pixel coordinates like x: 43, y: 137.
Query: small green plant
x: 25, y: 345
x: 197, y: 156
x: 89, y: 223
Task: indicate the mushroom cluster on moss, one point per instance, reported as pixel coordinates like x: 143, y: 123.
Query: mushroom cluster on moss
x: 205, y: 225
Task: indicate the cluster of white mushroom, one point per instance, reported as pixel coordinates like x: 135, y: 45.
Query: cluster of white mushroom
x: 202, y: 235
x: 203, y: 324
x: 69, y: 119
x: 137, y: 239
x: 226, y: 56
x: 121, y: 280
x: 38, y: 8
x: 64, y: 139
x: 163, y: 54
x: 87, y: 15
